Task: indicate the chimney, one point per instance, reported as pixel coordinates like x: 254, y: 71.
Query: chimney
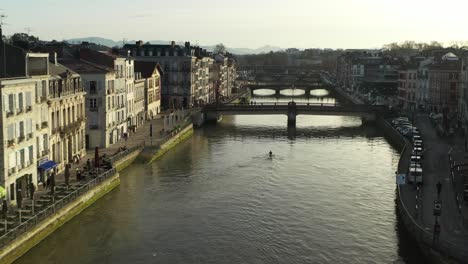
x: 173, y: 44
x: 187, y: 45
x: 55, y: 58
x: 139, y: 43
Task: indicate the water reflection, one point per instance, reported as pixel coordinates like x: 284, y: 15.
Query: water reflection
x: 327, y: 196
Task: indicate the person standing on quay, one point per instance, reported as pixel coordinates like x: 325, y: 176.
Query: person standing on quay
x: 439, y: 189
x: 32, y: 189
x: 4, y: 208
x: 19, y: 198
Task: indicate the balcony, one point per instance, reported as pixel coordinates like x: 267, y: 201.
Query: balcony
x: 12, y: 171
x: 29, y: 135
x: 21, y: 139
x: 44, y: 124
x: 28, y: 108
x: 10, y: 113
x: 11, y: 142
x: 19, y: 111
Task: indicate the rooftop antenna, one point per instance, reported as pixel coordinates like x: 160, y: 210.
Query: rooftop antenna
x: 28, y: 30
x: 2, y: 18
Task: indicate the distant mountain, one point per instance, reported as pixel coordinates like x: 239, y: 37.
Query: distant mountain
x: 97, y: 40
x: 111, y: 43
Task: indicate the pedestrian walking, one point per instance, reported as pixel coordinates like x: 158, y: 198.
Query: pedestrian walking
x: 436, y: 234
x: 439, y: 188
x: 47, y: 184
x: 67, y: 174
x: 32, y: 189
x: 19, y: 198
x: 4, y: 209
x: 52, y: 183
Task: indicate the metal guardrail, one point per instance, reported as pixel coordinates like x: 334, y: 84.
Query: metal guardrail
x: 169, y: 135
x: 124, y: 153
x: 40, y: 216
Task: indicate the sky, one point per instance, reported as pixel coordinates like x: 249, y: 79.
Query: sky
x: 244, y: 23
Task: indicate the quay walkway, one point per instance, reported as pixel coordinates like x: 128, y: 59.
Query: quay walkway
x: 418, y: 203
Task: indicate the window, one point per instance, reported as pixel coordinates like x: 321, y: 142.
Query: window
x: 93, y: 103
x: 31, y: 155
x: 20, y: 101
x: 12, y: 191
x: 92, y: 87
x: 453, y: 86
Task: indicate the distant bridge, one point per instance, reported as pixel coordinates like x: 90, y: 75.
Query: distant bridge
x: 292, y: 109
x: 278, y: 69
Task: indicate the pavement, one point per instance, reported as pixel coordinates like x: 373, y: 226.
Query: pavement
x: 436, y: 168
x: 139, y: 137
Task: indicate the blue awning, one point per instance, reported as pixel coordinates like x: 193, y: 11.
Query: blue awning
x: 50, y: 164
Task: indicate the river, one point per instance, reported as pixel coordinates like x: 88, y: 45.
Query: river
x: 327, y: 195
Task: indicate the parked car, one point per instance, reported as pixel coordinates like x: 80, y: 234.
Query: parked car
x: 418, y: 145
x: 415, y: 174
x: 416, y: 159
x: 399, y: 119
x: 402, y: 123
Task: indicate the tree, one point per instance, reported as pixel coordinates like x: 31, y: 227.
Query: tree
x: 220, y: 49
x: 23, y: 40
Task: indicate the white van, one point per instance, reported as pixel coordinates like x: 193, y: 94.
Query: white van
x: 415, y: 174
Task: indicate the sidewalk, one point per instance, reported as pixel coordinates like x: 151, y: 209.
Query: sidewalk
x: 436, y: 168
x: 140, y: 137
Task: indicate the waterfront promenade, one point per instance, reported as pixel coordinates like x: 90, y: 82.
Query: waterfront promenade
x: 453, y: 239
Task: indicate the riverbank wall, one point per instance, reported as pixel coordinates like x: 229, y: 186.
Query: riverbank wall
x: 442, y: 253
x: 43, y: 225
x: 60, y: 213
x: 150, y: 154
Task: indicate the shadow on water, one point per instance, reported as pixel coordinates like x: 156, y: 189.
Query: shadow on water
x: 291, y: 133
x: 408, y: 248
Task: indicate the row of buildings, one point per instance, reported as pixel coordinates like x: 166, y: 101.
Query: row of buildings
x: 433, y: 80
x: 59, y: 100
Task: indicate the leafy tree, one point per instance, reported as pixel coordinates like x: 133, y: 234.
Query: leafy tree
x: 220, y: 49
x: 23, y: 40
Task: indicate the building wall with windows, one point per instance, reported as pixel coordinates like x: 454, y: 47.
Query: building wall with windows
x: 139, y: 101
x: 444, y: 86
x: 184, y: 83
x: 66, y: 107
x: 18, y: 134
x: 407, y: 87
x: 463, y: 99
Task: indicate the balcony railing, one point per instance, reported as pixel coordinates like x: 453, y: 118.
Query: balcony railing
x: 30, y: 135
x: 19, y: 111
x: 11, y: 142
x: 28, y: 108
x: 21, y: 139
x: 44, y: 124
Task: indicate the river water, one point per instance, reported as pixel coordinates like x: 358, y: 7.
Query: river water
x: 326, y: 196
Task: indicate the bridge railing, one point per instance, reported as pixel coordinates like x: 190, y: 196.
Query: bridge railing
x: 299, y: 106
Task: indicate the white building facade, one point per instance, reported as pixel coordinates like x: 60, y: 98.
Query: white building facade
x: 19, y: 120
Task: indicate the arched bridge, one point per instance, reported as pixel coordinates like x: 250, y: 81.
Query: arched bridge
x: 292, y: 109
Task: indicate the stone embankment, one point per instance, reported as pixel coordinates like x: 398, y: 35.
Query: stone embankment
x: 22, y: 238
x: 410, y: 202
